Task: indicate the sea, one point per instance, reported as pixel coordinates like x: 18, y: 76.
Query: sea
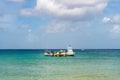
x: 89, y: 64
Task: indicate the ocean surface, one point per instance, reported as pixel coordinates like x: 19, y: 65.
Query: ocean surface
x: 85, y: 65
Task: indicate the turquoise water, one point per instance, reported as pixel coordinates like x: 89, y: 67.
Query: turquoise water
x: 85, y: 65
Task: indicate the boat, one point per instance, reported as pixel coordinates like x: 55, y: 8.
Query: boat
x: 70, y: 51
x: 61, y: 52
x: 48, y: 53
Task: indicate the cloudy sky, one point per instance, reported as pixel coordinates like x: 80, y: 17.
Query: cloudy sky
x: 39, y: 24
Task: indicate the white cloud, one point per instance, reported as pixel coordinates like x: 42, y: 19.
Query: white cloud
x: 25, y: 26
x: 67, y: 9
x: 17, y: 1
x: 113, y: 19
x: 116, y: 19
x: 115, y: 22
x: 73, y: 29
x: 27, y: 12
x: 106, y: 20
x: 30, y: 37
x: 56, y: 27
x: 7, y: 22
x: 115, y: 31
x: 6, y: 18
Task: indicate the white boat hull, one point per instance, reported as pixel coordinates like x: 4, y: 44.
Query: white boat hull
x: 48, y: 54
x: 70, y: 53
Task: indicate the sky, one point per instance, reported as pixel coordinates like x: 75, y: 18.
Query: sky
x: 53, y: 24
